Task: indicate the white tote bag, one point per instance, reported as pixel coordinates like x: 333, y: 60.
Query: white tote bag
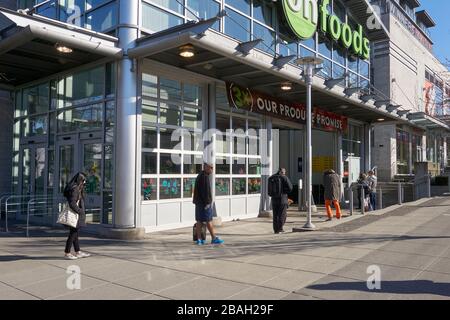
x: 68, y: 217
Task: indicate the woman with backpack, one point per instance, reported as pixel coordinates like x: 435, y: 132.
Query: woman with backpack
x: 75, y: 195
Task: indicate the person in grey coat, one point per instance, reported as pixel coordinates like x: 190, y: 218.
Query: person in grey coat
x: 332, y: 185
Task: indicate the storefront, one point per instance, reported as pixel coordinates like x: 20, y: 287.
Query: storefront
x: 141, y: 125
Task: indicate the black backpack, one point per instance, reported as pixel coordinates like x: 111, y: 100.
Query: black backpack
x: 275, y: 186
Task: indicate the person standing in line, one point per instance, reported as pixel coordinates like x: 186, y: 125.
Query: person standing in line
x: 75, y: 195
x: 203, y: 205
x: 279, y: 188
x: 373, y: 182
x: 332, y: 185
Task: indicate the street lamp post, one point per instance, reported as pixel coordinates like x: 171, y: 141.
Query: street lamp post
x: 309, y: 64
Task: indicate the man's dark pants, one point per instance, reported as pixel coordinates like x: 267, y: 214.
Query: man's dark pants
x: 279, y: 214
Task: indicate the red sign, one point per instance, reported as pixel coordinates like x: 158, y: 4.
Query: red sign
x: 254, y: 101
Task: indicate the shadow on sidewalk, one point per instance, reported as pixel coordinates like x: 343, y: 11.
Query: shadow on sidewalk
x: 397, y: 287
x: 21, y: 258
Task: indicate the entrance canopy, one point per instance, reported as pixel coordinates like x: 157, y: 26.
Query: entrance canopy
x: 220, y: 57
x: 424, y: 120
x: 29, y: 47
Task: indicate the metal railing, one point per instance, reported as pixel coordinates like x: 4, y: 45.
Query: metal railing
x: 40, y: 207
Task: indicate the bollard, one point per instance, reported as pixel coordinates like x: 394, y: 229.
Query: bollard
x: 429, y: 186
x: 300, y: 187
x: 350, y: 197
x: 380, y: 200
x: 399, y: 193
x: 363, y: 196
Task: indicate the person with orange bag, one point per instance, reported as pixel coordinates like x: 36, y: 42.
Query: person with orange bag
x: 332, y: 185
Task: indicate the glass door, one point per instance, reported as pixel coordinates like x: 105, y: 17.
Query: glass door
x: 91, y: 164
x: 34, y: 170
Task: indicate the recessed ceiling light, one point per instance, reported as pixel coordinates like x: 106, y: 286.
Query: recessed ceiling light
x: 187, y: 51
x: 286, y: 86
x: 63, y: 49
x: 380, y: 120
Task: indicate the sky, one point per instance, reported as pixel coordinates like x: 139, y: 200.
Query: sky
x: 439, y: 10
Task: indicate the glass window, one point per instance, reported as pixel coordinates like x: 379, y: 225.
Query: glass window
x: 188, y: 187
x: 149, y: 85
x: 170, y: 89
x: 85, y: 86
x: 338, y: 72
x: 352, y: 80
x: 192, y: 164
x: 103, y: 18
x: 170, y: 114
x: 268, y: 37
x: 222, y: 187
x: 169, y: 139
x: 192, y: 94
x: 149, y: 189
x: 241, y: 5
x: 306, y: 52
x: 169, y: 188
x: 239, y: 166
x: 254, y: 185
x: 364, y: 68
x: 254, y: 166
x: 203, y: 10
x: 170, y: 163
x: 288, y: 46
x: 149, y: 163
x: 156, y: 19
x: 239, y: 186
x: 353, y: 63
x: 402, y: 152
x: 237, y: 26
x: 109, y: 166
x: 263, y: 12
x: 36, y: 99
x: 325, y: 47
x: 339, y: 55
x: 193, y: 141
x: 192, y: 118
x: 38, y: 126
x: 149, y: 111
x: 171, y: 5
x: 325, y: 72
x: 86, y: 118
x: 310, y: 43
x: 149, y: 138
x: 222, y: 165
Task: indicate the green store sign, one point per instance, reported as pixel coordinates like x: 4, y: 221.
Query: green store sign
x: 304, y: 17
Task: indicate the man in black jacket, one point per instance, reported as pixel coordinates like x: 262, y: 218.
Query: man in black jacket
x: 203, y: 205
x: 280, y: 204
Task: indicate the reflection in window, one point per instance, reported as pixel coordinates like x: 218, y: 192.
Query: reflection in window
x: 102, y: 19
x: 241, y: 5
x: 192, y: 164
x: 149, y: 163
x: 239, y: 166
x: 170, y: 163
x: 149, y: 138
x: 188, y: 187
x: 262, y: 12
x: 149, y: 189
x: 268, y: 37
x: 166, y: 139
x: 254, y: 185
x: 239, y: 186
x: 237, y: 26
x: 203, y: 10
x: 156, y: 19
x: 86, y: 118
x: 222, y: 187
x: 169, y: 188
x: 169, y: 114
x: 222, y: 165
x: 85, y: 86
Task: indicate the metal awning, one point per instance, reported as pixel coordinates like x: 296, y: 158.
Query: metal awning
x: 27, y: 47
x: 221, y: 57
x: 367, y: 16
x: 424, y: 120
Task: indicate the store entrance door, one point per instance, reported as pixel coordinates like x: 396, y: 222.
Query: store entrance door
x: 81, y: 153
x: 34, y: 170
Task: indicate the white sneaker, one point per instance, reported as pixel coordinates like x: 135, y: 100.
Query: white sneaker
x: 70, y: 257
x: 81, y: 255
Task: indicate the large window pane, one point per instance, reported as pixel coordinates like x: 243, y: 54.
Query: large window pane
x: 171, y: 4
x: 149, y: 111
x: 222, y: 165
x: 192, y: 164
x: 203, y: 10
x: 103, y: 18
x: 170, y: 163
x: 192, y: 118
x: 188, y: 187
x: 254, y: 185
x: 38, y: 126
x: 169, y: 188
x: 239, y: 186
x: 239, y: 166
x: 149, y: 138
x: 149, y: 162
x: 241, y: 5
x: 156, y: 19
x: 170, y: 89
x: 222, y: 186
x: 192, y: 94
x: 170, y: 114
x: 149, y: 189
x: 169, y: 139
x: 85, y: 86
x: 36, y: 99
x: 262, y: 12
x: 268, y: 37
x: 237, y: 26
x: 86, y: 118
x: 149, y: 85
x: 109, y: 167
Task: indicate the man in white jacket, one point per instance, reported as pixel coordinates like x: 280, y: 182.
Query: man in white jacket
x: 373, y: 181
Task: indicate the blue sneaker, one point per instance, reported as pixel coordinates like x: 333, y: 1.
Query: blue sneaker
x: 200, y: 242
x: 217, y: 240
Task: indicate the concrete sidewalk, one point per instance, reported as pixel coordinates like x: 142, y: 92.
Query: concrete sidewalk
x: 410, y: 244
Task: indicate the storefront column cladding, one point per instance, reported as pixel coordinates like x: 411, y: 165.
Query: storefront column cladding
x: 125, y: 174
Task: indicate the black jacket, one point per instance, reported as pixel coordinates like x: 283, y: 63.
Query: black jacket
x: 73, y: 197
x: 202, y: 190
x: 287, y: 189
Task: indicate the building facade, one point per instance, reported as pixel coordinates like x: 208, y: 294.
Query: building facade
x: 138, y: 94
x: 410, y: 76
